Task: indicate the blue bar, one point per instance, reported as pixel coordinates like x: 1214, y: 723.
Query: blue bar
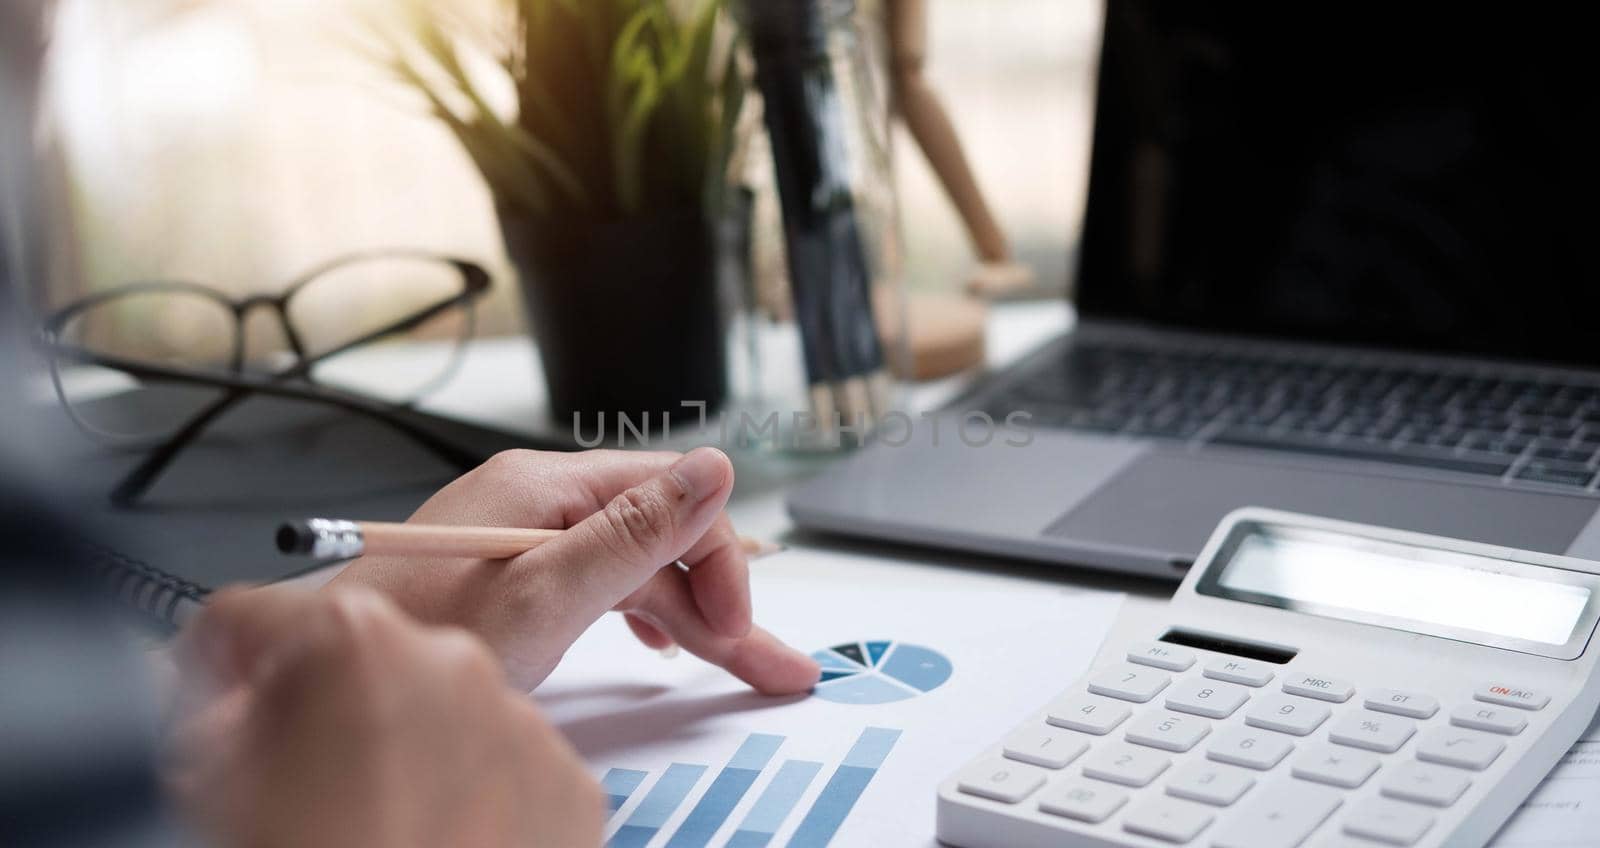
x: 725, y: 792
x: 619, y: 785
x: 657, y: 806
x: 842, y: 791
x: 775, y: 804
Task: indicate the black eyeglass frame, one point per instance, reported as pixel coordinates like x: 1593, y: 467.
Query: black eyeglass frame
x: 239, y: 386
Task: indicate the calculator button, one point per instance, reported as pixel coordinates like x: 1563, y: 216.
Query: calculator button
x: 1082, y: 800
x: 1126, y: 765
x: 1088, y: 714
x: 1168, y: 731
x: 1512, y: 696
x: 1409, y: 704
x: 1249, y: 748
x: 1165, y: 819
x: 1459, y: 748
x: 1286, y: 714
x: 1207, y: 698
x: 1503, y: 720
x: 1386, y: 821
x: 1424, y: 784
x: 1209, y: 783
x: 1319, y: 687
x: 1372, y: 731
x: 1161, y: 655
x: 1279, y: 816
x: 1334, y: 766
x: 1130, y: 682
x: 1045, y: 746
x: 1248, y: 672
x: 1001, y: 780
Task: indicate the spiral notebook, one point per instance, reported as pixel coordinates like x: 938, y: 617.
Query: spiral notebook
x: 209, y: 521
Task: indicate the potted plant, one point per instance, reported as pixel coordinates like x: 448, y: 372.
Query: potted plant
x: 605, y: 172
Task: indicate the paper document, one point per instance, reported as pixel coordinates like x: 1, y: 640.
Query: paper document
x: 922, y: 669
x: 1564, y: 812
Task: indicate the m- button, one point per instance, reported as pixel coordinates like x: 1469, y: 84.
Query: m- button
x: 1319, y: 687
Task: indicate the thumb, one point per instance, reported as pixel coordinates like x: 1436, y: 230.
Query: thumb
x: 613, y: 552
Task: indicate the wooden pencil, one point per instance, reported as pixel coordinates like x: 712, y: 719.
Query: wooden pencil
x: 326, y: 538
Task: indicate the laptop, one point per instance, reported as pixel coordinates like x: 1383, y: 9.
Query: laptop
x: 1341, y: 264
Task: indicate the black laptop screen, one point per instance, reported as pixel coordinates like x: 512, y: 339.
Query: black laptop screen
x: 1353, y: 175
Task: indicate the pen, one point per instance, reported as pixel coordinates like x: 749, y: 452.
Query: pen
x: 329, y: 538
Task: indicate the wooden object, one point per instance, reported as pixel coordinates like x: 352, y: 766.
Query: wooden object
x: 947, y: 333
x: 924, y: 114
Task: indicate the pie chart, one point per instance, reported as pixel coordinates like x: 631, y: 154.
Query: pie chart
x: 878, y: 672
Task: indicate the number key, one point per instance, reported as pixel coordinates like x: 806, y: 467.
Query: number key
x: 1126, y: 765
x: 1001, y: 780
x: 1168, y: 731
x: 1088, y: 714
x: 1249, y: 748
x: 1129, y: 682
x: 1045, y: 746
x: 1287, y: 714
x: 1207, y: 698
x: 1083, y: 800
x: 1211, y: 784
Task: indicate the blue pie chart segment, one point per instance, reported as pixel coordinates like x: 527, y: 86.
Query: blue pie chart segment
x: 917, y: 667
x: 879, y: 672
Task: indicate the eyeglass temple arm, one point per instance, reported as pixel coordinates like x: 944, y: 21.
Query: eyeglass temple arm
x: 138, y: 481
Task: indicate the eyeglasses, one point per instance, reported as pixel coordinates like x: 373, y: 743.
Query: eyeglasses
x: 332, y: 323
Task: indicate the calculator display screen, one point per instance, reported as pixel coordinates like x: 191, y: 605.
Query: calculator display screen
x: 1428, y: 590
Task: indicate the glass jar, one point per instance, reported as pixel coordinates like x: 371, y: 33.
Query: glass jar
x: 813, y: 239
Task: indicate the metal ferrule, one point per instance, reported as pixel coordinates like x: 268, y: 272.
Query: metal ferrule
x: 334, y: 539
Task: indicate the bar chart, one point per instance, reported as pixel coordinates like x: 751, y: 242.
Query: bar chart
x: 775, y: 805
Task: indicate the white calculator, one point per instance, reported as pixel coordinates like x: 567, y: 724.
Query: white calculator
x: 1314, y: 682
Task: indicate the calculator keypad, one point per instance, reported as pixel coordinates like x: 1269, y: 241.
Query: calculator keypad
x: 1172, y: 744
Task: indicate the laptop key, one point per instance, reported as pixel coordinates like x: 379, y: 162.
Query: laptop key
x: 1556, y: 473
x: 1490, y: 466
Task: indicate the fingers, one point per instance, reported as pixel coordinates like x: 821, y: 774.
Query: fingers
x: 523, y: 488
x: 758, y: 658
x: 719, y: 575
x: 648, y: 633
x: 609, y: 555
x: 240, y: 628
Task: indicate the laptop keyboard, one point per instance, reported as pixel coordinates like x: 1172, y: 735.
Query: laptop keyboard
x: 1515, y: 428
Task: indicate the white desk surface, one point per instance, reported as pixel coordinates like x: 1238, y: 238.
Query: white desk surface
x: 500, y: 386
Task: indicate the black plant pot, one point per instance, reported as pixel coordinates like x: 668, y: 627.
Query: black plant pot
x: 626, y: 316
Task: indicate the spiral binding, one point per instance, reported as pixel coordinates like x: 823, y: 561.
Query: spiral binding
x: 143, y: 587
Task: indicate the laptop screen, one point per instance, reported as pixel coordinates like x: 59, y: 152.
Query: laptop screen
x: 1359, y: 175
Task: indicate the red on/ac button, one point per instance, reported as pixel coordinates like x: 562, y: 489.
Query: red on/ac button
x: 1512, y: 696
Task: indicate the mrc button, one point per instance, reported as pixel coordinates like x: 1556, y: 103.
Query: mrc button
x: 1318, y: 686
x: 1511, y: 696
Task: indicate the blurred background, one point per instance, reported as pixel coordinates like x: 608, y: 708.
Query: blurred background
x: 240, y: 142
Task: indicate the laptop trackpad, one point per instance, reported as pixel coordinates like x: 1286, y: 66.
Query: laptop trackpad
x: 1168, y: 503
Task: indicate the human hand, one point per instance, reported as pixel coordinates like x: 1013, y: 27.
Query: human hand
x: 632, y: 516
x: 332, y: 719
